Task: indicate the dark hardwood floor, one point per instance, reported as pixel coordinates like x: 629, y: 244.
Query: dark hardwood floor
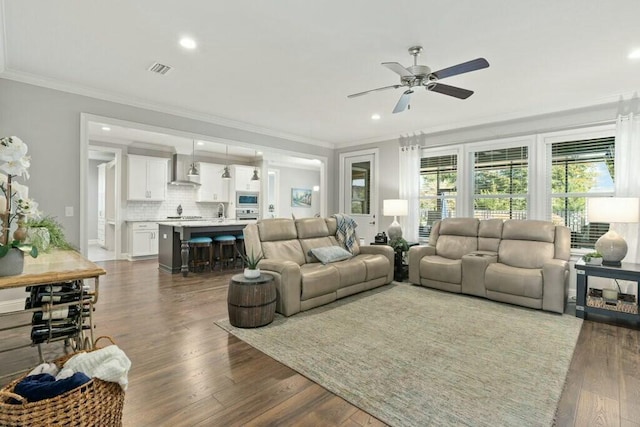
x: 187, y: 371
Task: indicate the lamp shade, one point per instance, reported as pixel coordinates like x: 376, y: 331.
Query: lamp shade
x: 395, y: 207
x: 613, y: 209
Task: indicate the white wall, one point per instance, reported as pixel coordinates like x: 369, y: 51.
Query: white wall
x: 92, y: 189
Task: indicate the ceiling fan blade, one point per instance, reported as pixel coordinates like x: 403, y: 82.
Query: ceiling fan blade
x: 465, y: 67
x: 403, y: 101
x: 374, y: 90
x: 456, y: 92
x: 398, y: 69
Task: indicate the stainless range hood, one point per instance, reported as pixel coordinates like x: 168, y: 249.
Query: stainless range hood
x: 179, y: 167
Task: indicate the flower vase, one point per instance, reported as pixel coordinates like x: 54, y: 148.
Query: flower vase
x: 250, y: 273
x: 12, y: 263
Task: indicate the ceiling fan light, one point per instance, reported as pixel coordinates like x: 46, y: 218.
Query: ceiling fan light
x: 255, y: 176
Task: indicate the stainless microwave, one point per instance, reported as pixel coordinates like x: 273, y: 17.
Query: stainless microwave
x: 246, y: 199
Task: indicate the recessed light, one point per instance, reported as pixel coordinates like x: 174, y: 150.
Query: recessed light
x: 635, y: 54
x: 188, y: 43
x: 375, y: 116
x: 200, y: 143
x: 106, y: 128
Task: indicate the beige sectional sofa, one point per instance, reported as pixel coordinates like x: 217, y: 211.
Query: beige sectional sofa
x: 302, y: 282
x: 522, y: 262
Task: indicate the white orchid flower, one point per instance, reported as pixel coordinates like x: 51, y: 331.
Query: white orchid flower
x: 12, y: 148
x: 17, y: 167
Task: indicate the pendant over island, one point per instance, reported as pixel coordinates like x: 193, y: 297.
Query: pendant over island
x: 173, y: 246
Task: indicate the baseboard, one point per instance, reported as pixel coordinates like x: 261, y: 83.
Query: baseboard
x: 12, y: 305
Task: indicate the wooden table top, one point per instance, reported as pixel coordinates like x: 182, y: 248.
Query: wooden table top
x: 56, y: 266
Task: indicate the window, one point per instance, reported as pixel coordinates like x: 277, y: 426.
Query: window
x: 581, y: 169
x: 500, y: 182
x: 438, y: 182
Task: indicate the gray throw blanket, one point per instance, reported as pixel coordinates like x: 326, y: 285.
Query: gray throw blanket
x: 346, y: 232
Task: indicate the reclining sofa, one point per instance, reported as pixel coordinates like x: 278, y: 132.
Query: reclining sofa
x: 302, y: 282
x: 523, y: 262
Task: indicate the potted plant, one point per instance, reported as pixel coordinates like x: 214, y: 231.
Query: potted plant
x: 593, y: 258
x: 17, y: 206
x: 400, y: 246
x: 46, y: 233
x: 251, y: 270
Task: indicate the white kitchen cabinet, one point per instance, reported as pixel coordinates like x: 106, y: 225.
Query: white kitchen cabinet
x: 143, y: 239
x: 241, y: 177
x: 147, y: 178
x: 212, y: 187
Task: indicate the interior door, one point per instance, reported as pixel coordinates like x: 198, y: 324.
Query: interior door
x: 359, y: 192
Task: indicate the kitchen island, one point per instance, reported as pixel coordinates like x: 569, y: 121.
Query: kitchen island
x: 173, y: 246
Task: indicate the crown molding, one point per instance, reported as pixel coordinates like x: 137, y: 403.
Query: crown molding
x: 161, y: 108
x: 487, y: 121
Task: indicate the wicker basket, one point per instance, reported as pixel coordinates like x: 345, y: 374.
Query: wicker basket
x: 96, y: 403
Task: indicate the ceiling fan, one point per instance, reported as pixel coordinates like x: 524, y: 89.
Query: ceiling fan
x: 421, y: 76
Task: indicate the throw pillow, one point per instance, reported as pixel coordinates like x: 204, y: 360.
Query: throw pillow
x: 329, y: 254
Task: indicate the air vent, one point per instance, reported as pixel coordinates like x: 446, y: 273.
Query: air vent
x: 160, y: 68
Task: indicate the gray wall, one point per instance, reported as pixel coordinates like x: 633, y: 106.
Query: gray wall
x: 298, y: 178
x: 48, y: 121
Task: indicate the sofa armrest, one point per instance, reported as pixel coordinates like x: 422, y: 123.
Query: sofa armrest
x: 381, y: 250
x: 287, y: 278
x: 416, y: 253
x: 474, y: 266
x: 555, y: 274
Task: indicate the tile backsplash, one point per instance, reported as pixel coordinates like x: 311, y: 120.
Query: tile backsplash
x: 176, y: 195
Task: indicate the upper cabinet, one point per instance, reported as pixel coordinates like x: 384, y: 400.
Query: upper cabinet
x: 241, y: 177
x: 212, y: 187
x: 147, y: 178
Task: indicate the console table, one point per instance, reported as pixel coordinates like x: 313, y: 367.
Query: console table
x: 628, y: 271
x: 51, y: 268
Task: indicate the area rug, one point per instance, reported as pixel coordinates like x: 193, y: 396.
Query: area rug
x: 412, y: 356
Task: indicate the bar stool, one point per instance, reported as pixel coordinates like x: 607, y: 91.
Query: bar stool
x: 200, y: 253
x: 228, y: 242
x: 240, y: 248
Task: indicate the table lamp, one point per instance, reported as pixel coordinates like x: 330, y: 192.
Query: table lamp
x: 395, y: 208
x: 611, y: 245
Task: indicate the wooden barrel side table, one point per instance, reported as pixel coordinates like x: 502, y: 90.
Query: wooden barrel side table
x: 251, y: 302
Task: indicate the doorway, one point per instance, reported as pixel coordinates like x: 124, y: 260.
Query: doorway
x: 103, y: 204
x: 359, y: 190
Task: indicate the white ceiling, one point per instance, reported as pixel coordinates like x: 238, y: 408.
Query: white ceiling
x: 286, y: 67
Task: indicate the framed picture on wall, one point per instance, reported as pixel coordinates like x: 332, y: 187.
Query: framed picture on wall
x: 300, y: 198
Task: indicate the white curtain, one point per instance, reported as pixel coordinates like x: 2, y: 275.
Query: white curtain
x: 410, y: 190
x: 627, y: 177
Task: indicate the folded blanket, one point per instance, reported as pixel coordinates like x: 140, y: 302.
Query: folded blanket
x: 44, y: 368
x: 346, y: 231
x: 108, y: 364
x: 44, y: 386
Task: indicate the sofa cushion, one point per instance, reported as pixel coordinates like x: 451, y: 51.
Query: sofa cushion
x: 526, y: 282
x: 454, y: 247
x: 290, y: 250
x: 276, y: 229
x: 377, y: 265
x: 351, y: 271
x: 489, y: 234
x: 442, y: 269
x: 316, y: 242
x: 524, y: 253
x: 459, y: 227
x: 329, y: 254
x: 318, y: 280
x: 312, y: 227
x: 529, y: 229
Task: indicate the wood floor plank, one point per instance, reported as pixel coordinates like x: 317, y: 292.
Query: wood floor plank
x: 597, y: 410
x: 188, y: 371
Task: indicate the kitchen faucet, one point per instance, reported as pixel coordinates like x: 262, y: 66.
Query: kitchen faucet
x: 221, y: 210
